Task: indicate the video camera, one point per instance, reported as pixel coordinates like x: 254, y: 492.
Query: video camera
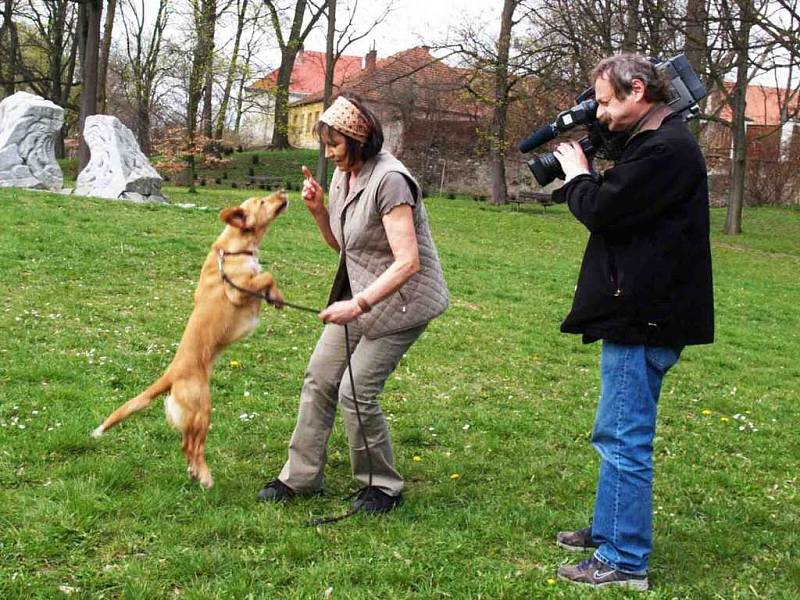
x: 686, y: 90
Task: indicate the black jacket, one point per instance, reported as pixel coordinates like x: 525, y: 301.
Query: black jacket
x: 646, y: 271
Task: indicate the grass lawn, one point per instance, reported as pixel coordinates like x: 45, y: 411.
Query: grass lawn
x: 490, y: 414
x: 274, y: 163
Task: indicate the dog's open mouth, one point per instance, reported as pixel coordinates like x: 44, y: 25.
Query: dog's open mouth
x: 282, y: 207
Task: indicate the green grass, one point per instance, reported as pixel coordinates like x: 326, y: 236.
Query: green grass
x: 275, y: 163
x: 96, y: 295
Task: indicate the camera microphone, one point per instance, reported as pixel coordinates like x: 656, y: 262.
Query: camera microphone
x: 539, y: 137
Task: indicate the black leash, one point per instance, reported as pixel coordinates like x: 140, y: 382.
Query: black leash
x: 265, y: 297
x: 221, y: 264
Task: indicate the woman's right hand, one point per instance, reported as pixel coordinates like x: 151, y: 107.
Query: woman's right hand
x: 312, y: 192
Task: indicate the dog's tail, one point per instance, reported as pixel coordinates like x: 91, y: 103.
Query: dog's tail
x: 140, y: 402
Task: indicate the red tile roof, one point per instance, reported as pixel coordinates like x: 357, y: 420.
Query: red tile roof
x: 308, y: 74
x: 412, y: 78
x: 763, y: 104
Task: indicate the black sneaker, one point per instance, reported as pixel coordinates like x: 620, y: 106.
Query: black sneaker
x: 592, y: 572
x: 373, y: 500
x: 576, y: 541
x: 277, y: 491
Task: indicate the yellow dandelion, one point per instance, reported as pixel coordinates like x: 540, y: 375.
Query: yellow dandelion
x: 551, y: 581
x: 454, y: 476
x: 706, y: 412
x: 417, y: 458
x: 724, y: 419
x: 235, y: 364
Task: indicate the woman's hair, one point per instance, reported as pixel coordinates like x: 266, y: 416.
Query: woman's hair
x: 356, y: 151
x: 622, y: 69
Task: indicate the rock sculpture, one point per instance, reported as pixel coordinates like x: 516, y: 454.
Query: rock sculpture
x: 28, y: 128
x: 117, y: 168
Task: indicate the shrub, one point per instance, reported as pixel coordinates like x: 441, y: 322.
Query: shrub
x: 251, y: 172
x: 451, y: 196
x: 255, y: 159
x: 234, y: 185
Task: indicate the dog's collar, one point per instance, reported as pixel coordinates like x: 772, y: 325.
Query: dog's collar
x: 246, y: 252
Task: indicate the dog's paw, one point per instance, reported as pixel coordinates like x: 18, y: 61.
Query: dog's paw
x: 98, y: 432
x: 275, y: 297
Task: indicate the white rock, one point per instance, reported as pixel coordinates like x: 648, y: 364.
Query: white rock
x: 117, y: 169
x: 29, y: 125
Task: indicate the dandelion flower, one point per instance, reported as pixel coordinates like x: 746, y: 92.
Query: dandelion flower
x: 417, y: 458
x: 455, y: 476
x: 551, y: 581
x: 706, y: 412
x: 235, y: 364
x: 724, y: 419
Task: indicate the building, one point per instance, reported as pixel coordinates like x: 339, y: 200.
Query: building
x: 308, y: 77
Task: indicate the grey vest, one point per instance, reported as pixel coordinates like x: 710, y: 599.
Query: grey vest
x: 355, y: 218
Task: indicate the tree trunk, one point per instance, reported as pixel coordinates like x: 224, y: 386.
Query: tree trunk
x: 330, y: 65
x: 632, y: 26
x: 8, y: 62
x: 289, y: 48
x: 226, y: 95
x: 497, y: 131
x: 733, y: 219
x: 105, y: 50
x: 695, y: 46
x: 92, y: 11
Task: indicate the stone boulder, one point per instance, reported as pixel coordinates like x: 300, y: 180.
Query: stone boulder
x: 28, y: 128
x: 117, y: 168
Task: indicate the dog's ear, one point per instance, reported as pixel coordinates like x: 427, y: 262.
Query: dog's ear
x: 235, y: 216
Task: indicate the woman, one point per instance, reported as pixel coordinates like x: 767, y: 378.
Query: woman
x: 388, y: 287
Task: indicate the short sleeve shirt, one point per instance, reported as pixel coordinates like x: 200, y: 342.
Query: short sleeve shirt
x: 393, y: 191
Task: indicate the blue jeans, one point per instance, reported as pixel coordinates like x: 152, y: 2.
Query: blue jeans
x: 623, y: 436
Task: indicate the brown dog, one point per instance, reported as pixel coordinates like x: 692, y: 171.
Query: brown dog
x: 222, y: 314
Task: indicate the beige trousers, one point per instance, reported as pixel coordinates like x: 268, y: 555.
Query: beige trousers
x: 328, y: 383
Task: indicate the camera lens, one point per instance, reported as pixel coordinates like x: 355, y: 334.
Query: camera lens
x: 546, y: 168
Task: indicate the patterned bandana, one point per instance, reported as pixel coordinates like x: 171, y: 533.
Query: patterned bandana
x: 345, y: 118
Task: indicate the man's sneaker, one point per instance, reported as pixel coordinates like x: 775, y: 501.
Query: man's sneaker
x: 373, y: 500
x: 277, y: 491
x: 593, y: 573
x: 576, y: 541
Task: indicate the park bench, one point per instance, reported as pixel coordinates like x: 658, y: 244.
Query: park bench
x: 264, y: 181
x: 541, y: 198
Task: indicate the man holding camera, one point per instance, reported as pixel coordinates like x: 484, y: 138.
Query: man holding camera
x: 645, y: 290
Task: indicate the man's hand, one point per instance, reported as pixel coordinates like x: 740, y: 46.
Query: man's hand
x: 312, y: 192
x: 572, y: 159
x: 341, y: 312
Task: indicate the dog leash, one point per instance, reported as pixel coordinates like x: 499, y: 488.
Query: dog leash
x: 265, y: 297
x: 221, y: 264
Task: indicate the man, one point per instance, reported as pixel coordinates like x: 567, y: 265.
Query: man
x: 645, y: 290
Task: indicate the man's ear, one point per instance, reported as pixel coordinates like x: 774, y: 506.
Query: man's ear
x: 638, y: 88
x: 234, y: 216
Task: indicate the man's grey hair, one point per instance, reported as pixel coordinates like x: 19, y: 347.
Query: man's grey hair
x: 622, y: 69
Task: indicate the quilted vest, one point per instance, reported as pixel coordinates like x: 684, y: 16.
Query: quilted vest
x: 358, y: 227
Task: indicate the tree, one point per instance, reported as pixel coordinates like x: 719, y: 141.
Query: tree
x: 289, y: 46
x: 9, y: 48
x: 497, y: 67
x: 144, y: 66
x: 105, y: 50
x: 241, y: 20
x: 89, y: 17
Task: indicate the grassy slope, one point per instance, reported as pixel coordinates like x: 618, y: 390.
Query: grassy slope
x: 98, y: 294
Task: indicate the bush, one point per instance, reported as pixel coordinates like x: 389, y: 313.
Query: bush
x: 255, y: 159
x: 224, y: 174
x: 451, y: 196
x: 202, y: 181
x: 239, y: 148
x: 772, y: 181
x: 217, y: 180
x: 251, y: 172
x: 234, y: 185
